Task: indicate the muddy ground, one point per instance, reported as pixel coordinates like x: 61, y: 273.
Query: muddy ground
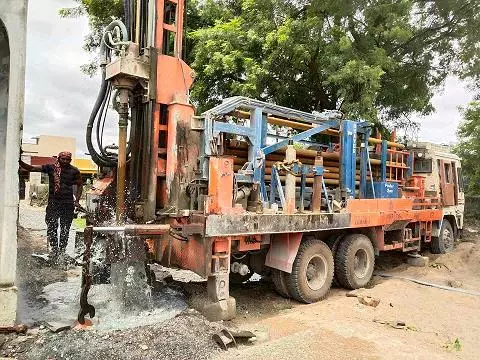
x: 438, y: 324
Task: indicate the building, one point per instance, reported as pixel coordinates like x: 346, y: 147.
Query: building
x: 13, y: 33
x: 49, y: 146
x: 44, y: 150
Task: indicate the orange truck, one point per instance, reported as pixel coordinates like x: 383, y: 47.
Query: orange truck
x: 224, y: 195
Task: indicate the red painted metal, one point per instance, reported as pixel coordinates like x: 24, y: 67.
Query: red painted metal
x: 377, y: 212
x: 249, y: 243
x: 174, y: 79
x: 194, y: 254
x: 446, y: 183
x: 220, y: 186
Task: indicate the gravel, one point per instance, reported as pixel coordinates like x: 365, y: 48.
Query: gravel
x: 32, y: 217
x: 187, y: 336
x: 167, y: 331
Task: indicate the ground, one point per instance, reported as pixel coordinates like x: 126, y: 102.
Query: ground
x: 439, y: 324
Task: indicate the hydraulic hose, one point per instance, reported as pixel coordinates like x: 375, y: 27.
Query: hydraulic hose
x: 110, y: 27
x: 96, y: 157
x: 103, y: 158
x: 101, y: 121
x: 128, y: 19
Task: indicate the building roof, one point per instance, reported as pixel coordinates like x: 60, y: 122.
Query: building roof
x: 86, y: 166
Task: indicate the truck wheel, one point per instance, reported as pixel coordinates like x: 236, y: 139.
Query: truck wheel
x: 445, y: 241
x: 312, y: 272
x: 354, y: 261
x: 280, y: 283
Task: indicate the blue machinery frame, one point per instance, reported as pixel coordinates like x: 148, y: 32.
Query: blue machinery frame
x: 257, y: 133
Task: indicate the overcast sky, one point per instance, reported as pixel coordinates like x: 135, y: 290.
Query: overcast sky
x: 59, y: 97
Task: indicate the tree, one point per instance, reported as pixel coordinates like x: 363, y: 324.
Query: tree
x: 100, y: 13
x: 468, y: 147
x: 381, y: 60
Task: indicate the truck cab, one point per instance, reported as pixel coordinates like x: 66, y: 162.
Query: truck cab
x: 442, y: 171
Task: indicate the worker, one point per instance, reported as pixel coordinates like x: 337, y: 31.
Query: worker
x: 61, y: 203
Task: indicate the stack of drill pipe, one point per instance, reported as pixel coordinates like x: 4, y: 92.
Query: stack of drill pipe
x: 309, y: 180
x: 239, y: 149
x: 307, y: 126
x: 330, y: 174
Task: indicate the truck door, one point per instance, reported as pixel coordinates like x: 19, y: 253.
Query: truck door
x: 455, y: 182
x: 447, y: 183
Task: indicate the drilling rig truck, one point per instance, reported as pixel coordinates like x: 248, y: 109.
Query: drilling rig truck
x: 226, y: 195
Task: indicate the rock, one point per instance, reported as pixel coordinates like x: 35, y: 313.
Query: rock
x: 245, y: 334
x: 21, y: 339
x: 220, y: 310
x: 144, y: 347
x: 369, y: 301
x: 454, y: 283
x: 56, y: 327
x: 420, y: 261
x: 33, y: 332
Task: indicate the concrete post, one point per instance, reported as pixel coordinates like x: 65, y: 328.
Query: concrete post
x: 13, y: 29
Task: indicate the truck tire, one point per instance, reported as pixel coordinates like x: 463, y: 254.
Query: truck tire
x: 280, y: 283
x: 312, y: 272
x: 354, y: 261
x: 445, y: 241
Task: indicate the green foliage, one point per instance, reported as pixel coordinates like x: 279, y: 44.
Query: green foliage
x: 468, y: 147
x: 381, y: 60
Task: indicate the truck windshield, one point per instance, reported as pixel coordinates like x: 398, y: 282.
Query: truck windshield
x: 422, y: 165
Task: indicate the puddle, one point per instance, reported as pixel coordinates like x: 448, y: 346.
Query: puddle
x: 59, y: 302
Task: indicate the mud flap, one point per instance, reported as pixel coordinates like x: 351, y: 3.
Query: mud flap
x: 283, y: 250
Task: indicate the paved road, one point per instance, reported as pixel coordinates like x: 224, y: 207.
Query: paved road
x: 33, y: 218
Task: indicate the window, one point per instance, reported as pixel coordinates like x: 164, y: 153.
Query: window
x: 421, y: 165
x: 460, y: 179
x: 448, y: 174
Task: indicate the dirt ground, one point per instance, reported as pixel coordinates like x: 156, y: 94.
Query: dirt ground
x: 439, y: 324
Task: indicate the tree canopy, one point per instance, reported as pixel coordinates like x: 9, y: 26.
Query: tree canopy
x: 381, y: 60
x: 468, y: 146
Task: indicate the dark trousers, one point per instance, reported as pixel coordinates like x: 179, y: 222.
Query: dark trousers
x: 63, y: 213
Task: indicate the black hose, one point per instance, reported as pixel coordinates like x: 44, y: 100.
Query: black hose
x: 96, y: 157
x: 128, y: 16
x: 101, y: 120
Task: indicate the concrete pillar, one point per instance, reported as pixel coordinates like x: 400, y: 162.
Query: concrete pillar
x: 13, y: 28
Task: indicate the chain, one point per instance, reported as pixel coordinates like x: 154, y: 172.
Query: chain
x: 287, y: 165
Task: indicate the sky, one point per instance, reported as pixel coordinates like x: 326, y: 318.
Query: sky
x: 59, y: 97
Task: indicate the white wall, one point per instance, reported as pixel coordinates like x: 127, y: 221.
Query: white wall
x: 13, y: 15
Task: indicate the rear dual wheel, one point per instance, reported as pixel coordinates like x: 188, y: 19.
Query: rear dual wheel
x: 312, y: 272
x: 354, y: 261
x: 280, y: 282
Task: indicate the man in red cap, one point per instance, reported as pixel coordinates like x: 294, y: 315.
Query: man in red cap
x: 61, y: 204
